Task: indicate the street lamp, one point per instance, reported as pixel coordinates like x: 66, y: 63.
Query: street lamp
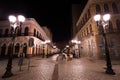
x: 76, y: 42
x: 104, y: 21
x: 67, y: 46
x: 15, y: 22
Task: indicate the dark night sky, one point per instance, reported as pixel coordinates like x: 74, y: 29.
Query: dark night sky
x: 55, y: 15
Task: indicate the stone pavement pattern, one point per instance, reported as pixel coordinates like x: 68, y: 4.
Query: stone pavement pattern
x: 49, y: 69
x: 86, y: 69
x: 40, y: 69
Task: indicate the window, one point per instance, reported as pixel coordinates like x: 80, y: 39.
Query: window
x: 6, y: 32
x: 110, y: 26
x: 90, y: 28
x: 3, y: 50
x: 26, y: 31
x: 0, y: 32
x: 17, y: 48
x: 37, y: 34
x: 9, y: 48
x: 34, y: 32
x: 86, y: 17
x: 11, y: 34
x: 118, y: 24
x: 83, y: 21
x: 25, y: 49
x: 19, y: 32
x: 115, y: 9
x: 106, y: 8
x: 89, y: 15
x: 98, y: 9
x: 87, y: 30
x: 31, y: 42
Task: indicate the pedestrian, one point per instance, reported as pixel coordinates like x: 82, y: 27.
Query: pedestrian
x: 21, y: 57
x: 67, y: 57
x: 64, y: 55
x: 60, y: 57
x: 74, y: 56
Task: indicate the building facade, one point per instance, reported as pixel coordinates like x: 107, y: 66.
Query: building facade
x: 49, y: 45
x: 28, y: 39
x: 92, y: 43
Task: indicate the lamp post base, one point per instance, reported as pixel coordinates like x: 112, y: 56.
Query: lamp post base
x: 7, y: 74
x: 110, y: 71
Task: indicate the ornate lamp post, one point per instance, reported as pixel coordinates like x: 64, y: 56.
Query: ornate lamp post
x: 76, y: 43
x: 15, y: 22
x: 104, y: 22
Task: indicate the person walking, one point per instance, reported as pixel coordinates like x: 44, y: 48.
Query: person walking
x: 67, y: 57
x: 21, y: 57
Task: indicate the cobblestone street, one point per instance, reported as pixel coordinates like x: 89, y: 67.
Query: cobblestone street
x: 39, y: 69
x: 50, y: 69
x: 86, y: 69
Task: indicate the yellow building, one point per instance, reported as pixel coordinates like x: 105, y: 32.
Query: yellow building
x: 92, y: 43
x: 28, y: 39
